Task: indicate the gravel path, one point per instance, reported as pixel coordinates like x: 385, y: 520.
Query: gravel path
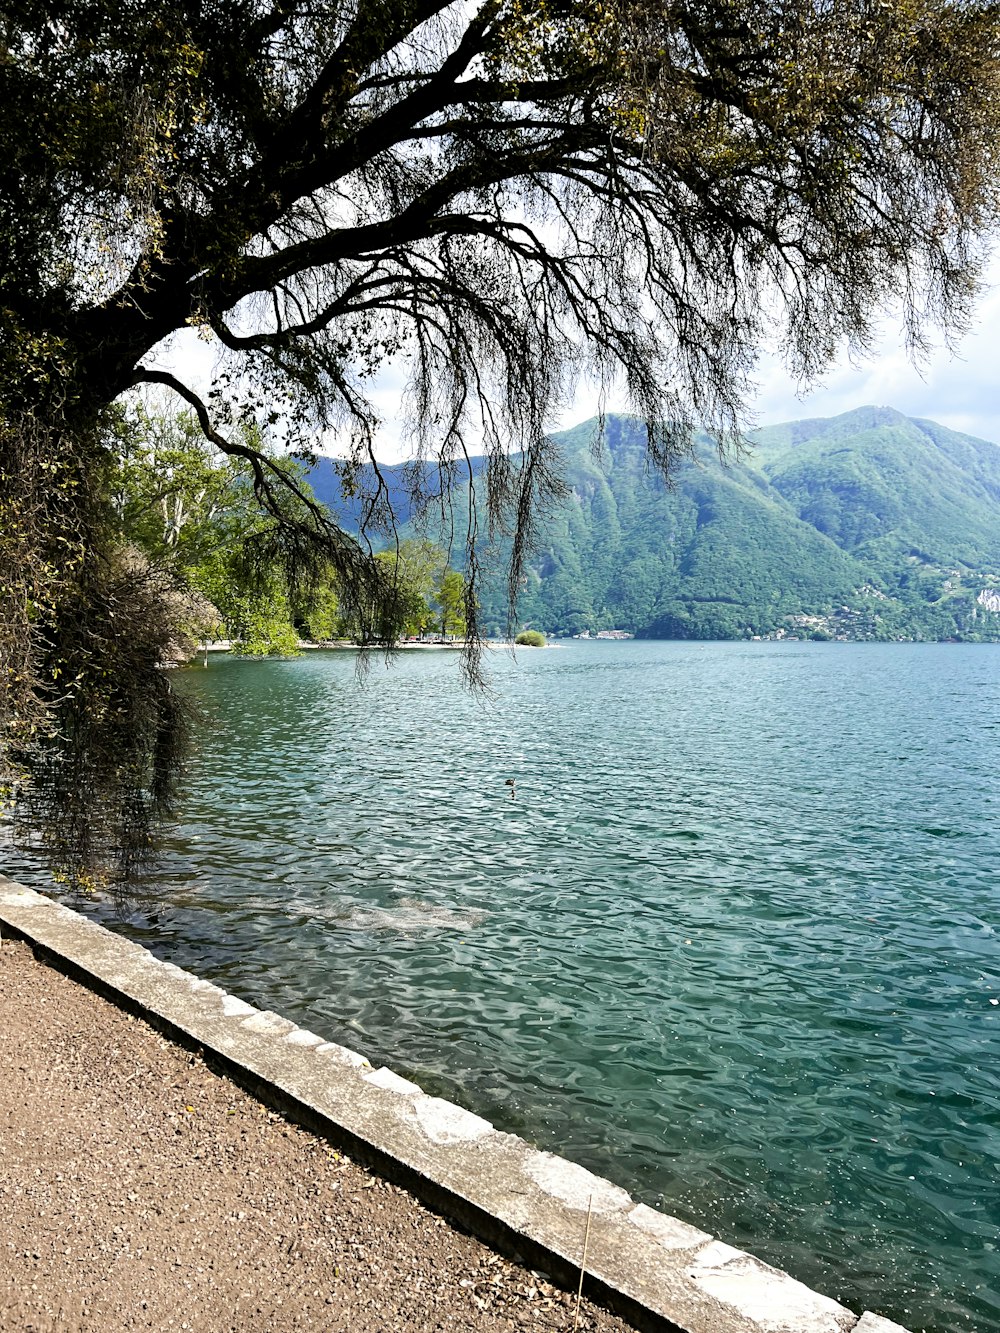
x: 139, y: 1190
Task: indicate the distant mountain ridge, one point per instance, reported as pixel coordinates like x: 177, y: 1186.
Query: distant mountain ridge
x: 866, y: 525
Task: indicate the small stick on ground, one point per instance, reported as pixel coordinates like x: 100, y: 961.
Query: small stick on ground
x: 583, y: 1264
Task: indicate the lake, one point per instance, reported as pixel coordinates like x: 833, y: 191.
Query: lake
x: 732, y: 942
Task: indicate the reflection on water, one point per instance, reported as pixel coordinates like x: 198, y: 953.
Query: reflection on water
x: 408, y: 916
x: 731, y: 943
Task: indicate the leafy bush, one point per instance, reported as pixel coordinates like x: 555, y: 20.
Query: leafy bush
x: 530, y: 638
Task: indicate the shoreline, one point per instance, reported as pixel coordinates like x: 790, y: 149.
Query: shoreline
x: 658, y: 1272
x: 341, y: 646
x: 142, y: 1190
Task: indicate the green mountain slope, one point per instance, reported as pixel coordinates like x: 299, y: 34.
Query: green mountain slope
x: 882, y: 485
x: 716, y: 554
x: 869, y: 525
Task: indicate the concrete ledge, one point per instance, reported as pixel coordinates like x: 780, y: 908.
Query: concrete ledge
x: 659, y: 1272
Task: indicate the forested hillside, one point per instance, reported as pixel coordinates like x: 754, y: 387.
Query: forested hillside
x: 867, y: 525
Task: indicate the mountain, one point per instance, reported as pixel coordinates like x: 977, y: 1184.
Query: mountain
x: 325, y: 480
x: 882, y: 485
x: 866, y: 525
x: 699, y: 558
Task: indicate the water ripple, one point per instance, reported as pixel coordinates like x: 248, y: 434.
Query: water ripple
x: 732, y: 943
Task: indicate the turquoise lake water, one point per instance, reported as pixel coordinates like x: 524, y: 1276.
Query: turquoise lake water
x: 732, y: 944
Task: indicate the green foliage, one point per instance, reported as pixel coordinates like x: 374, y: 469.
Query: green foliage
x: 194, y: 513
x: 175, y: 496
x: 427, y: 592
x: 265, y: 630
x: 318, y: 612
x: 415, y: 566
x: 450, y: 595
x: 530, y: 638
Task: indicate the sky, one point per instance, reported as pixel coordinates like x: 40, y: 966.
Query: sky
x: 961, y: 391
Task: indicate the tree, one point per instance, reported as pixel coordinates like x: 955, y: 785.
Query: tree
x: 415, y: 564
x: 174, y: 495
x: 191, y: 511
x: 409, y: 567
x: 502, y: 193
x: 319, y: 613
x: 450, y: 595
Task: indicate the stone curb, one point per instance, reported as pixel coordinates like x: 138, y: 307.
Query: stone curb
x: 659, y: 1272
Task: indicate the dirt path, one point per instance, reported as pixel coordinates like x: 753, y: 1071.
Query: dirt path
x: 139, y: 1190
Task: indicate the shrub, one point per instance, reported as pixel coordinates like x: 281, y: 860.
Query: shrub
x: 530, y: 638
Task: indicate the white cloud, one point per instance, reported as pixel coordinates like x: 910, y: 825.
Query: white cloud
x: 961, y: 391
